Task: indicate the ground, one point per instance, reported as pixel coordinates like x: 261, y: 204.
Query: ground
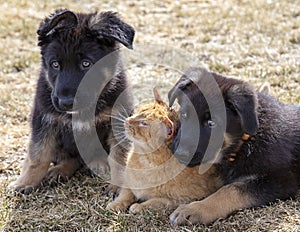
x: 255, y: 40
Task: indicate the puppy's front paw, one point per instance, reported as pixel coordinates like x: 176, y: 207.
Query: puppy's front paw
x: 117, y: 206
x: 136, y: 208
x: 56, y: 174
x: 193, y: 213
x: 20, y: 188
x: 99, y: 168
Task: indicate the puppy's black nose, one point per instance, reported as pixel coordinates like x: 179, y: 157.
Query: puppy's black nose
x: 66, y: 103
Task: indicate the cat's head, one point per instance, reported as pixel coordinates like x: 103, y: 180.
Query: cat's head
x: 152, y: 124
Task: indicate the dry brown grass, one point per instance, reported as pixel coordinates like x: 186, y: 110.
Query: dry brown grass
x: 254, y: 40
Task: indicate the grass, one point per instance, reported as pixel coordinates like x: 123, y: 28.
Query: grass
x: 256, y: 41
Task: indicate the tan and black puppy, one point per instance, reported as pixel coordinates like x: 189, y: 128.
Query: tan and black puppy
x: 259, y: 161
x: 71, y: 43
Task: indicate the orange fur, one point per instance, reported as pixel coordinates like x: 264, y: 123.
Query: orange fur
x: 152, y: 174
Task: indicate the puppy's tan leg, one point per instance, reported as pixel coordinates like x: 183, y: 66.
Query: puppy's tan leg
x: 35, y: 166
x: 64, y: 169
x: 218, y: 205
x: 154, y: 203
x: 123, y: 201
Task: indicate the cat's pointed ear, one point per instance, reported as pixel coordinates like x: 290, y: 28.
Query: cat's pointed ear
x: 157, y: 96
x: 170, y: 128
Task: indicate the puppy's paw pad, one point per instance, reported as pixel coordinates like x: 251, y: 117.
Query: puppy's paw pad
x: 192, y: 214
x: 179, y: 216
x: 26, y: 190
x: 116, y: 206
x: 56, y: 174
x: 20, y: 188
x: 99, y: 168
x: 136, y: 208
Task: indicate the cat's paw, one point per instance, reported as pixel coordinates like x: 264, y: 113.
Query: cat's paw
x: 117, y: 206
x: 136, y: 208
x: 112, y: 190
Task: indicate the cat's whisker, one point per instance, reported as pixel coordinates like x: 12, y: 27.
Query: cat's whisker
x: 117, y: 117
x: 119, y: 133
x: 117, y: 124
x: 120, y: 141
x: 126, y: 113
x: 118, y: 128
x: 112, y: 139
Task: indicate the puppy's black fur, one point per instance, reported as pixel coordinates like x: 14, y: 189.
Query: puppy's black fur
x: 70, y: 44
x: 260, y: 158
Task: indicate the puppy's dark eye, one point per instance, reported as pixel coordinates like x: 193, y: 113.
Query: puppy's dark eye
x: 55, y: 65
x: 86, y: 64
x: 208, y: 121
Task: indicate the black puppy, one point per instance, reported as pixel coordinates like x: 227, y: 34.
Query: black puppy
x: 259, y: 160
x: 71, y: 43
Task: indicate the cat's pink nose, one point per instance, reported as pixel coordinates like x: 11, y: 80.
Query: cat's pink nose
x: 128, y: 121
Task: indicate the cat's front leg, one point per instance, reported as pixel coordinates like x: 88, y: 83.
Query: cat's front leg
x: 123, y: 201
x: 154, y: 203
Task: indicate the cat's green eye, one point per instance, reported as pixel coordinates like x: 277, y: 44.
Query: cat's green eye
x: 143, y: 124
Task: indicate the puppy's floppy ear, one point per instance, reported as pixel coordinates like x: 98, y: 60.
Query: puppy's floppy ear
x: 176, y: 91
x: 60, y: 19
x: 244, y: 100
x: 108, y: 24
x: 172, y: 95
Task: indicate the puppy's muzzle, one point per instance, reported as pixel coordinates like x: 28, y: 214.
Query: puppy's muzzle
x: 66, y: 103
x: 62, y: 104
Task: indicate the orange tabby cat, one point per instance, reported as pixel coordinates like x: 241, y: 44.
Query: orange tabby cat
x: 152, y: 175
